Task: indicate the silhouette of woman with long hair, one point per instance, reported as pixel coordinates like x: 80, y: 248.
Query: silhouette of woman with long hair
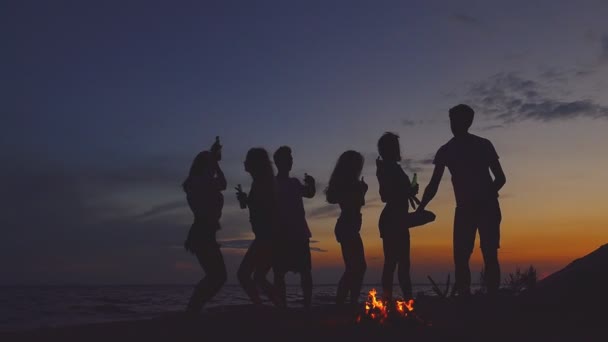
x: 397, y: 192
x: 346, y: 189
x: 261, y: 202
x: 203, y: 188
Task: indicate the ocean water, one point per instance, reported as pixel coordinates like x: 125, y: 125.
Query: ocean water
x: 32, y: 307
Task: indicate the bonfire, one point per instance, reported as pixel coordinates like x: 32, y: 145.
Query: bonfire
x: 381, y: 312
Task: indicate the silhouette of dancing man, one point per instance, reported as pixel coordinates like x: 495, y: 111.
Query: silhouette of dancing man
x: 262, y: 204
x: 292, y: 243
x: 203, y: 188
x: 470, y: 159
x: 346, y: 189
x: 397, y: 192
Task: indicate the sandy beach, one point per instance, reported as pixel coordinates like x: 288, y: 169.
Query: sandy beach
x: 476, y: 319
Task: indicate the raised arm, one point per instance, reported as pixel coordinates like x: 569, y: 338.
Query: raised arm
x: 220, y: 178
x: 431, y: 189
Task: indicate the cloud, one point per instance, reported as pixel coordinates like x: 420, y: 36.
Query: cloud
x: 604, y: 48
x: 412, y: 123
x: 411, y: 165
x: 237, y: 244
x: 317, y: 249
x: 162, y: 209
x: 492, y: 127
x: 466, y: 19
x: 67, y: 223
x: 407, y: 122
x: 511, y: 98
x: 561, y: 75
x: 245, y: 243
x: 324, y: 211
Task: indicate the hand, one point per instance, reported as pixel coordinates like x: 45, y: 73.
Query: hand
x: 308, y: 179
x: 420, y: 209
x: 215, y: 162
x: 216, y: 149
x: 241, y: 196
x: 364, y: 186
x: 415, y: 189
x: 412, y: 202
x: 379, y: 162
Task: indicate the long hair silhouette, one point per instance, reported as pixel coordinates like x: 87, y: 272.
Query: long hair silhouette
x: 202, y: 165
x: 346, y: 172
x: 258, y: 164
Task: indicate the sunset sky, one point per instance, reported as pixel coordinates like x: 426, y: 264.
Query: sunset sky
x: 105, y: 104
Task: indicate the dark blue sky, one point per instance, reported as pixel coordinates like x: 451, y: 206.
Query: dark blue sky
x: 104, y: 104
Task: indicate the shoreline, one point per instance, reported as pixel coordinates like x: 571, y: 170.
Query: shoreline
x: 502, y: 319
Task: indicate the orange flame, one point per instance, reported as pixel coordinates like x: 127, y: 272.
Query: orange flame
x: 378, y: 310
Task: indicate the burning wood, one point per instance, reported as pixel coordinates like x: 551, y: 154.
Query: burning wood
x: 384, y: 313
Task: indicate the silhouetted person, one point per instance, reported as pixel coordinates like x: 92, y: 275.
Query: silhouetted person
x: 261, y: 201
x: 470, y: 159
x: 203, y: 187
x: 346, y: 189
x: 292, y: 243
x: 397, y: 192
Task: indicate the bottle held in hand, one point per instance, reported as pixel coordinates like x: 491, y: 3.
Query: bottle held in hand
x: 414, y: 201
x: 308, y: 179
x: 241, y: 197
x: 216, y: 149
x: 364, y: 186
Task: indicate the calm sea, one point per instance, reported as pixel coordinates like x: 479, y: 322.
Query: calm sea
x: 30, y: 307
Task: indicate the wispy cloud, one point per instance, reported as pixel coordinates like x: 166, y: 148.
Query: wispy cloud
x: 317, y: 249
x: 245, y: 243
x: 237, y: 244
x: 492, y: 127
x: 466, y: 19
x: 162, y: 209
x: 411, y: 165
x: 604, y: 48
x: 511, y: 98
x: 324, y: 211
x: 412, y: 123
x: 407, y: 122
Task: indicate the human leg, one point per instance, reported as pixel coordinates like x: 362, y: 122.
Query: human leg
x: 281, y: 288
x: 212, y: 262
x: 306, y: 282
x: 390, y: 263
x: 245, y: 271
x: 465, y: 228
x: 489, y: 236
x: 344, y: 282
x: 263, y: 265
x: 359, y: 267
x: 403, y: 261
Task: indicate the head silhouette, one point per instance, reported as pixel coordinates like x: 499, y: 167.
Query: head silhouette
x: 258, y: 164
x: 202, y: 166
x: 283, y: 159
x: 346, y: 172
x: 388, y: 147
x: 461, y: 119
